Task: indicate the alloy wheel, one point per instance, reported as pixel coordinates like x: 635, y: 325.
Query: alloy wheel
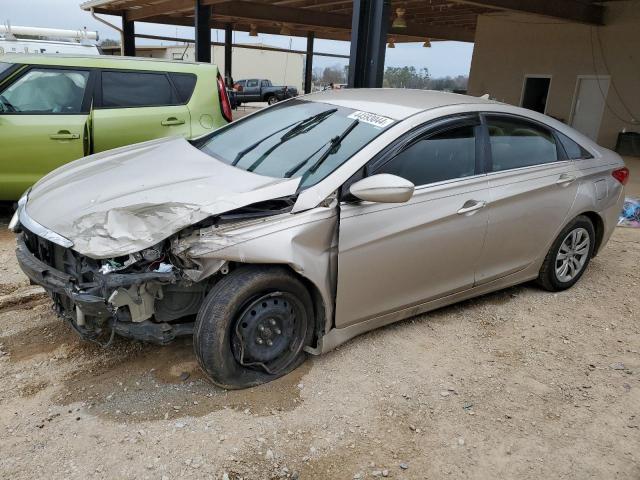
x: 572, y: 255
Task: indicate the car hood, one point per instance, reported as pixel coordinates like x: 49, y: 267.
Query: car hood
x: 125, y: 200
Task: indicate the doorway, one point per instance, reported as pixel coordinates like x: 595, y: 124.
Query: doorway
x: 536, y: 92
x: 588, y: 104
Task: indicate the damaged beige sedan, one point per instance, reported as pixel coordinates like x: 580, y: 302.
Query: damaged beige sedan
x: 305, y: 224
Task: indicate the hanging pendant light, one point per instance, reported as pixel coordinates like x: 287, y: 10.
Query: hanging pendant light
x: 253, y: 32
x: 392, y: 43
x: 285, y: 30
x: 427, y: 43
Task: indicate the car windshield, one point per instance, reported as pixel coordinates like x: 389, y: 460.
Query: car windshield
x: 297, y: 138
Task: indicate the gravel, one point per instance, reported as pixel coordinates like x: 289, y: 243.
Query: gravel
x: 517, y: 384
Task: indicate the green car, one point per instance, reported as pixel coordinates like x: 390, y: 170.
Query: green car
x: 55, y: 109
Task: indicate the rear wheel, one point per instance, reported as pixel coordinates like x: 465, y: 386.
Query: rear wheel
x: 569, y: 256
x: 272, y: 99
x: 253, y: 326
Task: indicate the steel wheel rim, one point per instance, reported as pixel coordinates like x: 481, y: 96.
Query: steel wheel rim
x: 270, y: 332
x: 572, y: 254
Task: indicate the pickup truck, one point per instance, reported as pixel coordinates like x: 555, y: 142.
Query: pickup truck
x: 260, y: 90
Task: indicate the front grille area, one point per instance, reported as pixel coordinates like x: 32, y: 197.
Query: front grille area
x: 61, y: 258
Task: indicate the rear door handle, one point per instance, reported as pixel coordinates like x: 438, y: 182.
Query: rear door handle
x: 64, y: 135
x: 566, y: 179
x: 172, y: 121
x: 471, y: 206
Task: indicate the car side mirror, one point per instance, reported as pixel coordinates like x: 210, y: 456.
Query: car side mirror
x: 383, y: 188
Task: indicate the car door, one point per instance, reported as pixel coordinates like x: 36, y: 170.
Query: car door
x: 135, y: 106
x: 396, y: 256
x: 43, y: 124
x: 252, y: 91
x: 531, y: 190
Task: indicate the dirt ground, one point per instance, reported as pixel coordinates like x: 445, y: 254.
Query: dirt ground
x: 517, y: 384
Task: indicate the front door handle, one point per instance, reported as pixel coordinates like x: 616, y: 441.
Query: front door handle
x: 471, y: 206
x: 566, y: 179
x: 172, y: 121
x: 64, y: 135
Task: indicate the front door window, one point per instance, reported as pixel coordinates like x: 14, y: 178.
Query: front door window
x: 46, y: 91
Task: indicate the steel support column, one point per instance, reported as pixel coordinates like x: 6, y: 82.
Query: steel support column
x: 308, y: 64
x: 228, y: 53
x: 369, y: 27
x: 203, y: 32
x: 128, y: 37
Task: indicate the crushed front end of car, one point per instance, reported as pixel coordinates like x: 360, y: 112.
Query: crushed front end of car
x: 154, y: 294
x: 90, y: 294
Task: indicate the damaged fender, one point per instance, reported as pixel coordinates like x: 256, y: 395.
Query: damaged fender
x: 307, y: 242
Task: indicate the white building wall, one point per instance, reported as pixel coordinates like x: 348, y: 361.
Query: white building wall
x: 279, y: 67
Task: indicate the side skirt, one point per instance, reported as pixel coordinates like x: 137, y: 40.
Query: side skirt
x: 338, y: 336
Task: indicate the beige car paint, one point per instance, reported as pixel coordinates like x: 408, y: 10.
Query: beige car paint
x: 444, y: 247
x: 377, y: 262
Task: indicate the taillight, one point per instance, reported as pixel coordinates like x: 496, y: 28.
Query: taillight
x: 225, y: 104
x: 621, y: 174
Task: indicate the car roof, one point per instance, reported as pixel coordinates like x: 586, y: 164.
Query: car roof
x: 106, y: 61
x: 396, y: 103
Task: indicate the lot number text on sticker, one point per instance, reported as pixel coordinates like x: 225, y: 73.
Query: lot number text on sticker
x: 371, y: 118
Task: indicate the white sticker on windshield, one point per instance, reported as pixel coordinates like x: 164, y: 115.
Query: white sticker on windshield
x: 371, y: 118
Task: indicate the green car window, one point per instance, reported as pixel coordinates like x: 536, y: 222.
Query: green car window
x: 46, y: 91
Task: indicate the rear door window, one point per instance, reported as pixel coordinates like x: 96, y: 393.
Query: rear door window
x: 185, y: 83
x: 136, y: 89
x: 517, y: 143
x: 46, y: 91
x: 445, y: 155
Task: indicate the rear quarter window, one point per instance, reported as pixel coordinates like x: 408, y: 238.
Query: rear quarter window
x: 573, y: 150
x: 185, y: 83
x: 136, y: 89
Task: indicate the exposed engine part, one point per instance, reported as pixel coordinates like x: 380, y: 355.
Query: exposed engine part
x: 179, y: 300
x: 139, y: 299
x: 152, y: 254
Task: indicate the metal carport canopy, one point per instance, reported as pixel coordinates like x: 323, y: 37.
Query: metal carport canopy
x: 367, y: 23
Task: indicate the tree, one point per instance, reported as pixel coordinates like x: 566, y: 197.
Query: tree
x: 334, y: 74
x: 406, y: 77
x: 409, y: 77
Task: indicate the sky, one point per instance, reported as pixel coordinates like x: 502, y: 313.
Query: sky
x: 442, y: 59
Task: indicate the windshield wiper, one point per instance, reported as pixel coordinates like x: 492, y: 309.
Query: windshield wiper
x: 253, y: 146
x: 334, y: 146
x: 303, y: 127
x: 297, y: 126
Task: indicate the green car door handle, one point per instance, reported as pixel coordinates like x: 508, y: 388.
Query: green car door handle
x: 64, y: 135
x: 172, y: 121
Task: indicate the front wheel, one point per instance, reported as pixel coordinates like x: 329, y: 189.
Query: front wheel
x: 569, y: 256
x: 252, y: 327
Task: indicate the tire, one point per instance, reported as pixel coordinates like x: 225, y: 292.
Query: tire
x: 551, y: 274
x: 230, y: 338
x: 272, y: 100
